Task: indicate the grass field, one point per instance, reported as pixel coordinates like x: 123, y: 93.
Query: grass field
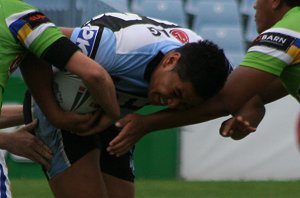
x: 37, y: 188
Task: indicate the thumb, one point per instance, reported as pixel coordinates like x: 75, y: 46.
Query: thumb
x: 31, y: 125
x: 122, y: 122
x: 226, y: 127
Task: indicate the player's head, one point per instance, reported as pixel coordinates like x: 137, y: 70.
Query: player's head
x: 205, y: 65
x: 189, y: 75
x: 269, y: 12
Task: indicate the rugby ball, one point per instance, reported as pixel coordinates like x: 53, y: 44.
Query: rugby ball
x: 72, y: 94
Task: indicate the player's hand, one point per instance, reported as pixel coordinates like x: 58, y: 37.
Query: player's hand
x: 102, y: 122
x: 133, y: 129
x: 75, y: 122
x: 236, y: 127
x: 23, y: 143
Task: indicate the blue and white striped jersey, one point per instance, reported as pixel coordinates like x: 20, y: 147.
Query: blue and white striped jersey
x: 128, y: 46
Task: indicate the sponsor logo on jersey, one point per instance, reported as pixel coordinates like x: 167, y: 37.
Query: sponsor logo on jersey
x: 34, y: 19
x: 294, y: 51
x: 22, y: 25
x: 275, y: 40
x: 86, y: 39
x: 180, y: 35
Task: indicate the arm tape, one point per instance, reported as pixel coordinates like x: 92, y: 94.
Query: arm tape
x: 60, y: 52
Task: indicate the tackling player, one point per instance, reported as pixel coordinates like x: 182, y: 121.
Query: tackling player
x: 150, y: 61
x: 269, y: 71
x: 24, y: 30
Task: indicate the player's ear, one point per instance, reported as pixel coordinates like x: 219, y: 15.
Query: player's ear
x: 171, y: 60
x: 277, y: 3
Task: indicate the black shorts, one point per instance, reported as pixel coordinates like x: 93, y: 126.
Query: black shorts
x: 68, y: 148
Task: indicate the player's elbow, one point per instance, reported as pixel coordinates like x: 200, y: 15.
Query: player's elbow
x: 95, y: 77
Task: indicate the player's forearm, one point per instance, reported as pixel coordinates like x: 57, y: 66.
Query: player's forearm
x: 253, y: 111
x: 11, y: 115
x: 170, y: 118
x: 66, y: 31
x: 4, y: 140
x: 98, y: 82
x: 38, y: 77
x: 273, y: 92
x: 96, y: 78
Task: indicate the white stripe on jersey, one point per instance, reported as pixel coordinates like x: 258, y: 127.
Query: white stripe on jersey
x: 124, y: 16
x: 37, y: 32
x: 130, y: 16
x: 284, y: 31
x: 11, y: 19
x: 5, y: 191
x: 281, y: 55
x: 147, y: 30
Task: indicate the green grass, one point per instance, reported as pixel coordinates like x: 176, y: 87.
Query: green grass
x: 38, y: 188
x: 30, y: 188
x: 220, y: 189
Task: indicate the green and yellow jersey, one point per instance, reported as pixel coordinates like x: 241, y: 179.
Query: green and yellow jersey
x: 277, y: 51
x: 24, y: 28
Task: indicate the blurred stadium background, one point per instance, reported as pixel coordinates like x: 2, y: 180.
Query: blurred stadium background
x: 192, y: 153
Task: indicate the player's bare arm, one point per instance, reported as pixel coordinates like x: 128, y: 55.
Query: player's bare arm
x: 21, y: 141
x: 11, y: 115
x: 249, y: 117
x: 245, y: 121
x: 229, y: 101
x: 107, y: 99
x: 35, y: 70
x: 98, y: 82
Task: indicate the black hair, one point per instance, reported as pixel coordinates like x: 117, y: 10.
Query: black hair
x: 292, y: 3
x: 205, y: 65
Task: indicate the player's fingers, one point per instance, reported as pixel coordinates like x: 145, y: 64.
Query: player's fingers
x: 118, y: 143
x: 115, y: 144
x: 85, y: 122
x: 91, y: 118
x: 251, y: 129
x: 246, y: 124
x: 243, y: 122
x: 31, y: 125
x: 41, y: 153
x: 100, y: 125
x: 123, y: 151
x: 226, y: 128
x: 38, y: 158
x: 120, y: 148
x: 45, y: 151
x: 123, y: 121
x: 41, y: 160
x: 121, y: 137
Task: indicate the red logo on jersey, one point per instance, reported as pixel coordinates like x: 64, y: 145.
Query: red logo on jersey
x: 180, y: 35
x: 37, y: 17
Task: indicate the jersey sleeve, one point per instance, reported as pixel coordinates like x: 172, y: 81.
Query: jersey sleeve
x: 273, y: 51
x: 31, y: 28
x: 34, y: 31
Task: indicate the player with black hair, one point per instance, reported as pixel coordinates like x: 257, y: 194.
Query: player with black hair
x: 269, y: 71
x: 151, y: 62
